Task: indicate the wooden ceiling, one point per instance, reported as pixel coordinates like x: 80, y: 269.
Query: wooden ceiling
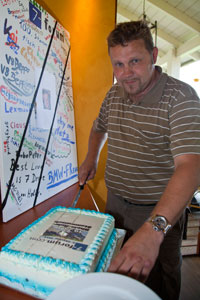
x: 178, y: 25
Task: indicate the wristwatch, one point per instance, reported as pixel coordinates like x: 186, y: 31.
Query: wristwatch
x: 159, y: 223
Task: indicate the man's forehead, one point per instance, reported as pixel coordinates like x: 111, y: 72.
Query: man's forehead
x: 132, y: 48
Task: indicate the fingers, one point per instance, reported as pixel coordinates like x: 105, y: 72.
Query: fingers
x: 83, y: 178
x: 87, y: 172
x: 135, y: 267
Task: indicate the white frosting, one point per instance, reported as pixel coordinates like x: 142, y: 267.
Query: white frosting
x: 62, y: 244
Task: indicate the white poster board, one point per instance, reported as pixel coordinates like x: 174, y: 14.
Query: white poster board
x: 37, y: 134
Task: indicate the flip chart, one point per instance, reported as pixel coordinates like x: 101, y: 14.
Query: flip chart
x: 38, y: 155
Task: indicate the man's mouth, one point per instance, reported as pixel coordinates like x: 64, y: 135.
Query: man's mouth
x: 130, y: 81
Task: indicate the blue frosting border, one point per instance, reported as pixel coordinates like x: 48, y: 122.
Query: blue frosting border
x: 37, y: 290
x: 45, y: 291
x: 107, y: 253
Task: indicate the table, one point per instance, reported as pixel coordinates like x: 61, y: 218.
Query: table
x: 10, y: 229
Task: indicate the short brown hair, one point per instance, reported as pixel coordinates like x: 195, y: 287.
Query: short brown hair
x: 129, y: 31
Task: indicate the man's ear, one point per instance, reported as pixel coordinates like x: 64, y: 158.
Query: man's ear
x: 155, y: 54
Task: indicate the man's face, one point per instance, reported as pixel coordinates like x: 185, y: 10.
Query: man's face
x: 133, y: 66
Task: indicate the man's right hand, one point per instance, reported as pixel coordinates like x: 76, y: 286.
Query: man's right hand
x: 87, y: 170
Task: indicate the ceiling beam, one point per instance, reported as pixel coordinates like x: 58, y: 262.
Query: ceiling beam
x: 168, y: 38
x: 126, y: 13
x: 195, y: 56
x: 174, y: 12
x: 189, y: 47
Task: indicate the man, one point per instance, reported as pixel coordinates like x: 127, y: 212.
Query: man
x: 152, y: 123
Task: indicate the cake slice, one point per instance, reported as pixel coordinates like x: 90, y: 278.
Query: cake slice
x: 64, y: 243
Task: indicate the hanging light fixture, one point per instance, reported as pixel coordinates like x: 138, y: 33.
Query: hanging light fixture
x: 149, y: 23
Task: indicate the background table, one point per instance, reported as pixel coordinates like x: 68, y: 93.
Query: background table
x: 10, y: 229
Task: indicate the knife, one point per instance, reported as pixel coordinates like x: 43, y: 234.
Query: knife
x: 81, y: 187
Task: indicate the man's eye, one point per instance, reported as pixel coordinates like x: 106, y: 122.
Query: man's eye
x: 134, y: 61
x: 118, y: 64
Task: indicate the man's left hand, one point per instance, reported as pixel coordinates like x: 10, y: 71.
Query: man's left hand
x: 138, y: 255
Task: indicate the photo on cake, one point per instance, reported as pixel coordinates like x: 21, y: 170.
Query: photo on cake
x: 67, y: 231
x: 72, y: 234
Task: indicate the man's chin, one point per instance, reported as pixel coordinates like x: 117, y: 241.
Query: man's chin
x: 130, y: 90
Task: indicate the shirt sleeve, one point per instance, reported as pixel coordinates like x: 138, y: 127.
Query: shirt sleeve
x: 184, y: 118
x: 101, y: 122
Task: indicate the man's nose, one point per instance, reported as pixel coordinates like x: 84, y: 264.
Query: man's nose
x: 127, y: 71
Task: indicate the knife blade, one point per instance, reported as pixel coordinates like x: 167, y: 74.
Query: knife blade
x: 81, y: 187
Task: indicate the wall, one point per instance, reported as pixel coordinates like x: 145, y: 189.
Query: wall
x: 89, y: 23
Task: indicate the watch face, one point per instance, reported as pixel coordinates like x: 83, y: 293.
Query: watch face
x: 160, y: 222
